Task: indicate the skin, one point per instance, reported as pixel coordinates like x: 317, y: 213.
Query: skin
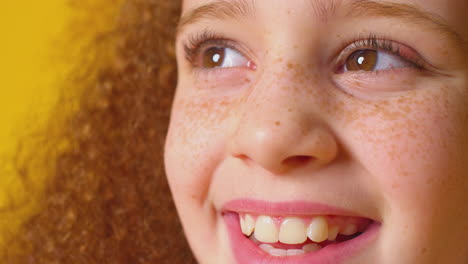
x: 295, y: 129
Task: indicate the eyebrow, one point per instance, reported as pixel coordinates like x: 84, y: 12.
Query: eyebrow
x: 238, y: 9
x: 406, y: 12
x: 225, y: 9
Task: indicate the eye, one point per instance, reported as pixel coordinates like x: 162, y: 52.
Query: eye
x: 222, y: 57
x: 374, y: 60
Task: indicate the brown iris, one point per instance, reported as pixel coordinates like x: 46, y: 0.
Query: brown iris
x: 213, y: 57
x: 362, y: 60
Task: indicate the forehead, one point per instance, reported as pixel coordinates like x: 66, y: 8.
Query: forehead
x: 452, y: 11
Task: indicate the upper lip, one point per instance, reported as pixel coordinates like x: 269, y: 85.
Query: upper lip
x: 291, y: 208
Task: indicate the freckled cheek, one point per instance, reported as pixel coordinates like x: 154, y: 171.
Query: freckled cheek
x: 196, y: 141
x: 188, y: 162
x: 196, y: 119
x: 415, y: 155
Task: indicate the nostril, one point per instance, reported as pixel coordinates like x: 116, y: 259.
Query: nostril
x: 276, y: 165
x: 297, y: 161
x: 241, y: 156
x: 244, y: 158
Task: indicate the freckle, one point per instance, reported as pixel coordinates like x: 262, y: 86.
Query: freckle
x: 407, y: 82
x: 407, y: 109
x: 290, y: 66
x: 277, y: 123
x: 289, y: 110
x: 338, y: 35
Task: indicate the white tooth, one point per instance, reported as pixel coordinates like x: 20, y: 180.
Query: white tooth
x: 350, y: 229
x: 265, y: 230
x: 292, y: 231
x: 294, y: 252
x: 266, y: 247
x: 333, y: 233
x: 277, y: 252
x: 311, y: 248
x: 247, y: 224
x: 318, y: 229
x: 242, y: 225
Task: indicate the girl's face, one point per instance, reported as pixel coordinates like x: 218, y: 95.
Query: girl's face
x: 322, y: 131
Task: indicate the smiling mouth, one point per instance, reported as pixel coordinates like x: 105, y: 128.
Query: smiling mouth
x: 298, y: 235
x: 295, y: 232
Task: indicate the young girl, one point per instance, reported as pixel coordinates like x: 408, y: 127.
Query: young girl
x: 321, y: 131
x: 301, y: 132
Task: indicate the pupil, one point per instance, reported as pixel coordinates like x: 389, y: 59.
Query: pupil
x: 362, y: 60
x: 213, y: 57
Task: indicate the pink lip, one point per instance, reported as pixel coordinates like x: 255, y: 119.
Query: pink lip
x: 247, y: 252
x: 284, y: 208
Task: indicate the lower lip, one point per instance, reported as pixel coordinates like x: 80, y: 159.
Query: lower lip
x: 247, y: 252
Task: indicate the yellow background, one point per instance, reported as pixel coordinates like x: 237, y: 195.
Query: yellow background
x: 40, y: 43
x: 30, y: 73
x: 29, y: 67
x: 32, y: 69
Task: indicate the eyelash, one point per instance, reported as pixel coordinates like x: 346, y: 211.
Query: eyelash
x: 195, y: 44
x: 374, y: 42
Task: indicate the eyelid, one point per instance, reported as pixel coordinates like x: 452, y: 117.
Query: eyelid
x: 384, y: 45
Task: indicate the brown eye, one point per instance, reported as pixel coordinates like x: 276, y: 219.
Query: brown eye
x: 362, y: 60
x: 213, y: 57
x: 222, y: 57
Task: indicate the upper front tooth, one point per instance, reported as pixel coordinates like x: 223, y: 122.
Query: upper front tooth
x: 265, y: 230
x: 247, y: 224
x: 318, y: 229
x: 292, y: 231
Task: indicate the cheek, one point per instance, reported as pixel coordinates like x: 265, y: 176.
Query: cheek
x: 414, y: 148
x: 195, y: 143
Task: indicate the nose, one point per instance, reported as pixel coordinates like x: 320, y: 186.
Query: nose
x: 279, y: 133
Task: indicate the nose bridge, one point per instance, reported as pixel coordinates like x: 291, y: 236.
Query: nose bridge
x: 281, y: 88
x: 279, y: 126
x: 274, y: 105
x: 272, y: 101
